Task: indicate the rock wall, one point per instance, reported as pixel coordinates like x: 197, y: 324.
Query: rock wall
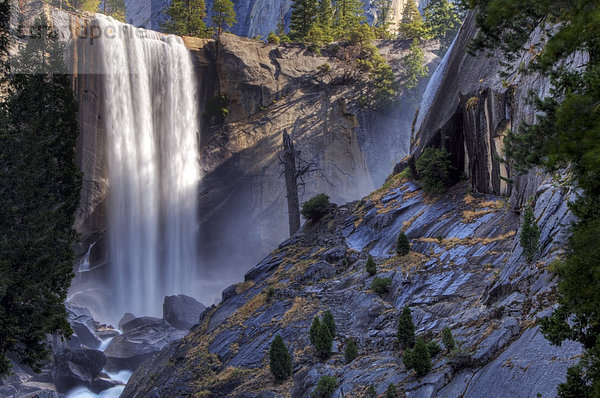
x: 473, y: 110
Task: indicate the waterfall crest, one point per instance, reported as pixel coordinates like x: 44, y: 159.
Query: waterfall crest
x: 152, y: 130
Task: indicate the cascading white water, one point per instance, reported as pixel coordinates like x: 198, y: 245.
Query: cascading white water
x: 151, y: 116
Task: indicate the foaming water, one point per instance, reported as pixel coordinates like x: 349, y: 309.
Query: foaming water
x: 151, y: 113
x: 122, y: 376
x: 82, y: 392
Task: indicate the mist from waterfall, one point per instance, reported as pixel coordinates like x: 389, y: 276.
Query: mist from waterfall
x: 152, y: 158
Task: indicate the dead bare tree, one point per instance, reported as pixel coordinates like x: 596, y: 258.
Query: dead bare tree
x: 294, y: 169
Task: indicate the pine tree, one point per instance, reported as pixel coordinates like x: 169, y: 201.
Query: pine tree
x: 303, y: 18
x: 391, y: 392
x: 39, y: 194
x: 330, y: 322
x: 530, y: 234
x: 223, y: 15
x: 447, y: 339
x: 384, y: 16
x: 325, y: 18
x: 186, y: 18
x: 403, y: 246
x: 115, y: 9
x: 415, y: 68
x: 411, y: 25
x: 406, y: 329
x: 350, y: 350
x: 348, y: 14
x: 421, y: 359
x: 442, y: 19
x: 314, y: 330
x: 323, y: 341
x: 280, y: 359
x: 371, y: 266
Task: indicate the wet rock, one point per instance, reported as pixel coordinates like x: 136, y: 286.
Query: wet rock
x: 141, y: 338
x: 182, y: 311
x: 127, y: 317
x: 76, y: 367
x: 83, y: 325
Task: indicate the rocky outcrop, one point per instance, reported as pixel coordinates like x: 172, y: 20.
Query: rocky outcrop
x: 466, y: 271
x: 472, y: 111
x: 181, y: 311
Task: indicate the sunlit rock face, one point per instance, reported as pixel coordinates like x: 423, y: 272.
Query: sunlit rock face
x: 254, y: 17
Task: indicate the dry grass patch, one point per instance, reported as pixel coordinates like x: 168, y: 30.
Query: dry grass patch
x: 407, y: 224
x: 242, y: 287
x: 469, y: 216
x: 300, y: 309
x: 245, y: 311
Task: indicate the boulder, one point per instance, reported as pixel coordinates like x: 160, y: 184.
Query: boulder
x: 83, y: 325
x: 76, y: 367
x: 182, y: 311
x: 141, y: 338
x: 128, y: 316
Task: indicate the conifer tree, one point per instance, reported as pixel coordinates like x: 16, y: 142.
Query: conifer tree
x: 280, y: 359
x: 384, y: 16
x: 419, y: 358
x: 406, y: 329
x: 223, y: 15
x: 330, y: 322
x: 391, y: 392
x: 403, y: 246
x: 348, y: 14
x: 39, y: 194
x: 303, y: 18
x: 186, y: 18
x: 323, y: 341
x: 325, y: 18
x: 412, y: 26
x: 415, y: 68
x: 350, y: 350
x: 371, y: 267
x: 447, y: 339
x: 530, y: 234
x: 115, y: 9
x: 314, y: 330
x: 442, y: 20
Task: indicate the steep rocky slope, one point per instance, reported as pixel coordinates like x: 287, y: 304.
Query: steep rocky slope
x: 466, y: 272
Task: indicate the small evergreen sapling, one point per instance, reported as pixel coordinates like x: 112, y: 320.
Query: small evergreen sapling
x: 371, y: 267
x: 371, y: 392
x: 406, y: 329
x: 403, y: 247
x: 530, y: 234
x: 448, y: 339
x: 350, y: 350
x: 330, y: 322
x: 323, y: 341
x: 316, y: 207
x: 381, y: 285
x: 325, y: 387
x: 391, y: 392
x: 280, y: 359
x: 419, y: 358
x: 314, y: 330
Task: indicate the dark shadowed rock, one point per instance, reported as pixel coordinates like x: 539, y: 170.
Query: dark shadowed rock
x: 182, y: 311
x: 76, y: 367
x: 141, y: 338
x: 83, y: 325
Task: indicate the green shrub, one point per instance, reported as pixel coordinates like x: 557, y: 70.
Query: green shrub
x: 530, y: 234
x: 273, y: 38
x: 314, y: 330
x: 576, y: 386
x: 371, y: 267
x: 280, y: 359
x: 460, y: 358
x: 403, y: 246
x: 217, y: 107
x: 391, y: 392
x: 270, y: 292
x: 433, y: 348
x: 406, y: 329
x: 448, y: 339
x: 323, y: 341
x: 350, y: 350
x: 316, y: 207
x: 325, y: 387
x: 418, y: 358
x: 381, y: 285
x: 434, y: 168
x: 371, y: 392
x: 330, y: 322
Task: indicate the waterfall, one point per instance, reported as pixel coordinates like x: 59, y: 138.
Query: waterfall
x: 151, y: 113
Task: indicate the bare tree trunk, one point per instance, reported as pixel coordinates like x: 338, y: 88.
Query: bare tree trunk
x: 291, y: 184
